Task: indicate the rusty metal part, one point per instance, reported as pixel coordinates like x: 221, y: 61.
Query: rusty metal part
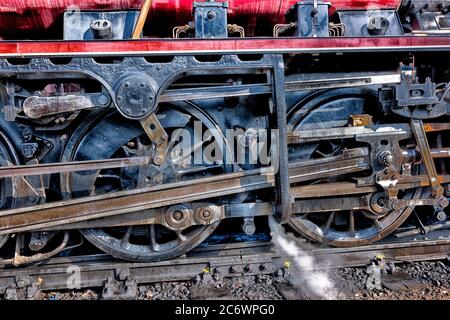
x: 20, y: 260
x: 40, y: 239
x: 361, y: 120
x: 398, y: 204
x: 50, y: 168
x: 304, y: 136
x: 70, y: 211
x: 440, y: 153
x: 386, y: 158
x: 234, y: 28
x: 37, y: 107
x: 424, y: 229
x: 333, y: 204
x: 63, y: 212
x: 307, y: 82
x: 281, y: 28
x: 350, y: 132
x: 424, y: 147
x: 433, y: 127
x: 330, y: 189
x: 3, y: 240
x: 408, y: 182
x: 153, y: 216
x: 78, y: 210
x: 10, y: 109
x: 348, y: 188
x: 352, y: 160
x: 179, y: 217
x: 231, y: 260
x: 336, y: 29
x: 177, y: 31
x: 157, y: 135
x: 387, y: 178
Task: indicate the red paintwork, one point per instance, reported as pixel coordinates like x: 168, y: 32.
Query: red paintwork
x: 21, y: 19
x: 99, y: 48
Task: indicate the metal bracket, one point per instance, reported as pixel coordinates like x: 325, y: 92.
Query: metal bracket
x: 37, y: 107
x: 157, y: 135
x: 424, y: 148
x: 419, y: 100
x: 284, y: 207
x: 397, y: 204
x: 9, y: 109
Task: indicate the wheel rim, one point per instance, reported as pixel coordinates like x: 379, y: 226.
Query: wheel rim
x: 350, y: 228
x: 139, y: 243
x: 7, y: 158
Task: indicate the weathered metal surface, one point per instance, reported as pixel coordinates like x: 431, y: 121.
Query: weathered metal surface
x: 422, y: 143
x: 40, y: 169
x: 366, y: 170
x: 38, y: 106
x: 228, y: 46
x: 36, y: 16
x: 228, y: 260
x: 70, y: 211
x: 131, y: 201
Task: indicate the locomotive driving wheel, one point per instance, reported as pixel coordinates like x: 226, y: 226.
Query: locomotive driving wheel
x: 7, y: 158
x: 344, y: 228
x: 109, y: 135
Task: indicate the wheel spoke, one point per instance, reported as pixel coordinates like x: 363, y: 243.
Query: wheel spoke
x: 351, y: 221
x: 3, y: 240
x: 329, y: 222
x: 191, y: 150
x: 151, y: 242
x: 320, y: 153
x: 126, y: 236
x: 348, y: 228
x: 173, y: 140
x: 376, y: 223
x: 181, y: 237
x: 140, y: 146
x: 152, y: 235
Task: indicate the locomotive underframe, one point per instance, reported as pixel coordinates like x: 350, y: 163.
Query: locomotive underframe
x: 270, y: 75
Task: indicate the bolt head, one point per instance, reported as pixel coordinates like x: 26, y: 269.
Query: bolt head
x: 441, y: 216
x: 178, y: 215
x: 206, y: 214
x: 102, y: 99
x: 158, y: 161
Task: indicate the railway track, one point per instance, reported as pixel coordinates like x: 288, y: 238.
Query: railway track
x: 151, y: 150
x: 220, y: 260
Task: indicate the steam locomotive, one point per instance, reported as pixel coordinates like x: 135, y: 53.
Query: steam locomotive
x: 149, y: 127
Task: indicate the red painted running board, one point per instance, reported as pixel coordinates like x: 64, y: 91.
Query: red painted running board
x: 232, y: 46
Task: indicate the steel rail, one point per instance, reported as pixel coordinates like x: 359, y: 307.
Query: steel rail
x: 229, y: 260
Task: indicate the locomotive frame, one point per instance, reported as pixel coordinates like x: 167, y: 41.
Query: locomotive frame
x: 387, y: 158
